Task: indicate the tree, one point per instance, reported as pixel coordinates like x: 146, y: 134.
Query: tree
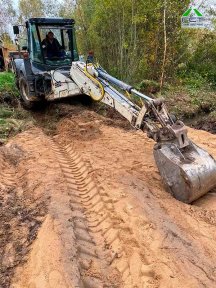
x: 28, y: 9
x: 128, y: 36
x: 66, y: 8
x: 52, y: 8
x: 7, y: 15
x: 38, y: 8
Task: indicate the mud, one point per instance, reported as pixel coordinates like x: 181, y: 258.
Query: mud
x: 85, y: 207
x: 207, y: 125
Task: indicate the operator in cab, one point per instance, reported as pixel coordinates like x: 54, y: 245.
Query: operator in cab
x: 52, y: 47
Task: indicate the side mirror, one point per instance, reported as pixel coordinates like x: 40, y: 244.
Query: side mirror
x: 16, y: 41
x: 16, y: 30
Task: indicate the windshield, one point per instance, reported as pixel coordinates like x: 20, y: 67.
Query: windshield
x: 53, y: 45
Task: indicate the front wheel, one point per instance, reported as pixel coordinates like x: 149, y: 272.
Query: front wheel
x: 24, y: 93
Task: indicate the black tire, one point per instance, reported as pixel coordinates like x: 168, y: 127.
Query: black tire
x: 86, y: 100
x: 17, y: 81
x: 24, y: 95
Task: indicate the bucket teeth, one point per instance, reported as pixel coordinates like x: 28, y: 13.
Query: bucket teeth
x: 188, y: 173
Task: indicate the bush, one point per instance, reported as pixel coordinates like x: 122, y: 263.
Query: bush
x: 7, y: 83
x: 149, y: 86
x: 202, y: 63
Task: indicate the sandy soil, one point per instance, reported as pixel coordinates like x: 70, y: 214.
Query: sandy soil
x: 86, y: 208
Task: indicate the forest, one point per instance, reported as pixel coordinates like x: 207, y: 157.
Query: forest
x: 140, y: 42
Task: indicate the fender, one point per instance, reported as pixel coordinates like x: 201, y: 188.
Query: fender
x: 19, y: 67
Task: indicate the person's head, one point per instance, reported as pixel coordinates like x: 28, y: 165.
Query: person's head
x: 50, y: 35
x: 91, y: 53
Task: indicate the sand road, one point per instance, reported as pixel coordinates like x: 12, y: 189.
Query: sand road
x: 86, y: 208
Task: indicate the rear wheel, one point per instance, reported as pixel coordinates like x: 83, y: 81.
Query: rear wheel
x: 24, y: 93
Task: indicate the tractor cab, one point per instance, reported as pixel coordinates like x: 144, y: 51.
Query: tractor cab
x: 50, y: 45
x: 46, y: 53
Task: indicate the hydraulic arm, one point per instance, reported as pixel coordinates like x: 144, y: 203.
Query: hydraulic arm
x: 187, y: 171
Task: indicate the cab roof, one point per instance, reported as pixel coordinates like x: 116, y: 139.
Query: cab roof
x: 59, y: 21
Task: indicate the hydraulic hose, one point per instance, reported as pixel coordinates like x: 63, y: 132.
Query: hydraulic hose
x: 97, y: 83
x: 122, y: 85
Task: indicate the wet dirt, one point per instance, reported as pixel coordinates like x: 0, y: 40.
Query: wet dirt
x: 202, y: 121
x: 87, y: 208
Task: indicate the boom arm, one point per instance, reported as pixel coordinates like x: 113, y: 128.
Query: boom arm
x: 187, y: 171
x: 152, y: 116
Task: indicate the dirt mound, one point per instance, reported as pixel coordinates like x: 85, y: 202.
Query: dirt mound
x: 207, y: 125
x: 80, y: 130
x: 90, y: 204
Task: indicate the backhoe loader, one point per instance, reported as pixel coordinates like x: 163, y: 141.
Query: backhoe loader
x: 187, y: 171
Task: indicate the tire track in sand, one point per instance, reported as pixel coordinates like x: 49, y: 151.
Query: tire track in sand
x: 98, y: 231
x: 93, y: 267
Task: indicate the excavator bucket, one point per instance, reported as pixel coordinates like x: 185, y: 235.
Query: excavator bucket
x: 188, y: 173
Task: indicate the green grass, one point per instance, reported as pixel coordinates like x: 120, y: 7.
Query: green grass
x: 7, y: 83
x: 189, y: 101
x: 6, y: 112
x: 13, y: 118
